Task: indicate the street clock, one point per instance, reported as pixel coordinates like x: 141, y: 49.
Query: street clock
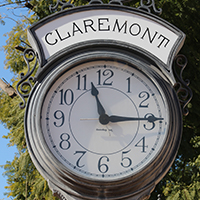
x: 103, y: 120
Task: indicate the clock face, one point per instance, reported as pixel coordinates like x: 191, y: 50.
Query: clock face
x: 104, y: 120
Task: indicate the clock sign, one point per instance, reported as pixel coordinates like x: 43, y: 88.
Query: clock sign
x: 103, y: 120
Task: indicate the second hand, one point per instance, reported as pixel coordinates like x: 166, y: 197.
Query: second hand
x: 85, y: 119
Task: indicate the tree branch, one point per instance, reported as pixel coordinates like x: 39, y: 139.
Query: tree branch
x: 7, y: 4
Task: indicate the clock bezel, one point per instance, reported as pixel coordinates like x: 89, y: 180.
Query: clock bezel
x: 146, y: 179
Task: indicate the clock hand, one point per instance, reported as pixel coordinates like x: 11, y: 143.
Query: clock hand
x: 95, y: 93
x: 87, y: 119
x: 150, y: 118
x: 105, y: 119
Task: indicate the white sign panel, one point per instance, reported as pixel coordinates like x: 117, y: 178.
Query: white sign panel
x: 137, y: 30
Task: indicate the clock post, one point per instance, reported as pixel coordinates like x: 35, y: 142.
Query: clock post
x: 103, y: 119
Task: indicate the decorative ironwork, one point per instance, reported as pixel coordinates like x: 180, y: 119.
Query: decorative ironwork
x: 62, y: 4
x: 117, y: 2
x: 149, y: 4
x: 25, y: 85
x: 182, y: 86
x: 95, y: 2
x: 59, y: 195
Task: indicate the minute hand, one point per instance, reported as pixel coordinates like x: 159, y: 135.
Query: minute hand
x: 150, y: 118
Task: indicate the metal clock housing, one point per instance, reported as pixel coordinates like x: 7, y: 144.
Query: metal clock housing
x: 105, y: 123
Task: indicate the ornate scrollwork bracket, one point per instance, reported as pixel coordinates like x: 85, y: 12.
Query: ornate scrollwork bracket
x: 25, y: 85
x: 182, y: 86
x: 150, y: 4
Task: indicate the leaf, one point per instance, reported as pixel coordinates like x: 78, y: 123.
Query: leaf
x: 186, y: 195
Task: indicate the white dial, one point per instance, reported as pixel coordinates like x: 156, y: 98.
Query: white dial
x: 105, y: 120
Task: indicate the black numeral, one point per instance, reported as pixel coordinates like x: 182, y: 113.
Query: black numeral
x: 80, y: 82
x: 129, y: 84
x: 78, y: 161
x: 141, y: 143
x: 66, y: 97
x: 65, y: 144
x: 146, y: 96
x: 147, y: 127
x: 126, y: 161
x: 103, y: 168
x: 59, y: 115
x: 106, y: 73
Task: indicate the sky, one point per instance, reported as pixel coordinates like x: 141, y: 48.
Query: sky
x: 6, y: 153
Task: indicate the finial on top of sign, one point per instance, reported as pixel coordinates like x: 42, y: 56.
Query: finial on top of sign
x: 145, y: 5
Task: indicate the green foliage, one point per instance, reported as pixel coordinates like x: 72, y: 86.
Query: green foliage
x: 41, y: 7
x: 25, y: 183
x: 13, y: 118
x: 14, y: 60
x: 183, y: 179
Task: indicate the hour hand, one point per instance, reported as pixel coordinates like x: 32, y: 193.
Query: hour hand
x: 95, y: 93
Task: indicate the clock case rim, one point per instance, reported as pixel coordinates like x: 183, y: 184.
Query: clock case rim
x: 141, y: 183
